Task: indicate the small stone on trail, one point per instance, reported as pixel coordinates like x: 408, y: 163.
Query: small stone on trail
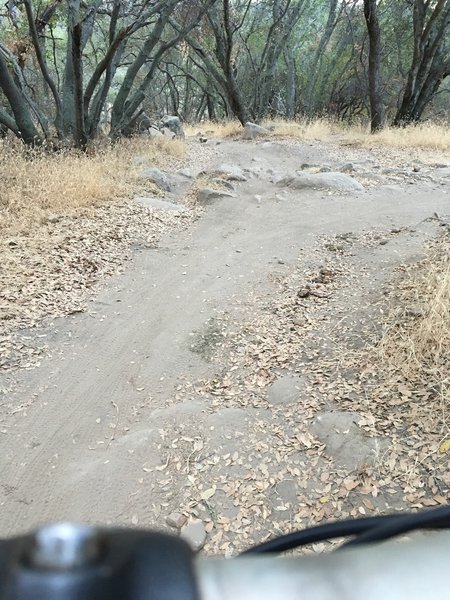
x: 176, y: 520
x: 186, y: 173
x: 322, y: 181
x: 194, y: 534
x: 383, y: 242
x: 207, y: 195
x: 345, y: 442
x: 230, y: 172
x: 252, y: 131
x: 157, y: 177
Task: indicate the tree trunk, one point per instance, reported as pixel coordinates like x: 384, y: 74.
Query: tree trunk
x: 211, y: 110
x: 25, y: 126
x: 430, y: 64
x: 79, y: 133
x: 375, y: 93
x: 68, y: 102
x: 291, y: 83
x: 40, y: 55
x: 309, y: 102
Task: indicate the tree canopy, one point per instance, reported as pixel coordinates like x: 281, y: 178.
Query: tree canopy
x: 70, y: 68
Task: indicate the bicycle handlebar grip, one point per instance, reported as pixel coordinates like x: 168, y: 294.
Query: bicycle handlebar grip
x: 77, y: 562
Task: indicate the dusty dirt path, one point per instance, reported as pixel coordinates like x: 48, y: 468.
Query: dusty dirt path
x: 86, y: 435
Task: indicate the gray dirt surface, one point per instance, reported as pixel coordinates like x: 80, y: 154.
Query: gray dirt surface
x: 114, y: 426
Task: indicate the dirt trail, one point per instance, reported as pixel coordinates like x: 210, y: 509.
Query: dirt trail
x: 81, y: 435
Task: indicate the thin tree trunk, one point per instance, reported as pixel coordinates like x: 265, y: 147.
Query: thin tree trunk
x: 375, y: 93
x: 291, y: 83
x: 79, y: 133
x: 43, y: 65
x: 309, y: 103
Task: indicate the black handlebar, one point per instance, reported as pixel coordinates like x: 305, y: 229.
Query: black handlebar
x: 73, y: 562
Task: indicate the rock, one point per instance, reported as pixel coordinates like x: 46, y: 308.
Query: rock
x: 186, y: 173
x: 223, y: 183
x: 443, y: 172
x: 174, y: 125
x: 206, y: 196
x: 143, y: 123
x: 231, y: 172
x: 394, y: 171
x: 325, y: 169
x: 383, y: 242
x: 226, y: 429
x: 322, y: 181
x: 414, y: 311
x: 166, y: 132
x: 285, y: 390
x: 176, y: 520
x: 53, y: 219
x: 159, y: 204
x: 348, y: 168
x: 154, y: 133
x: 194, y: 534
x: 252, y: 131
x: 304, y: 293
x: 345, y: 441
x: 159, y: 178
x: 190, y: 411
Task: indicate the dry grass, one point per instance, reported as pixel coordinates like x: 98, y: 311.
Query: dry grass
x: 416, y: 344
x: 426, y: 136
x: 303, y: 129
x: 37, y: 184
x: 222, y: 129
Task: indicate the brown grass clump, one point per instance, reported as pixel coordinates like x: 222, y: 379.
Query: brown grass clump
x: 416, y: 344
x: 36, y: 184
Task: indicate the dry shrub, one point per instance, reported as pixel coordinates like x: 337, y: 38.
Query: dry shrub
x: 416, y: 344
x: 35, y: 184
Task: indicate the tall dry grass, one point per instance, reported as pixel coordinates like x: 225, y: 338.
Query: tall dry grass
x: 416, y: 343
x: 427, y: 136
x: 36, y: 184
x: 217, y: 129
